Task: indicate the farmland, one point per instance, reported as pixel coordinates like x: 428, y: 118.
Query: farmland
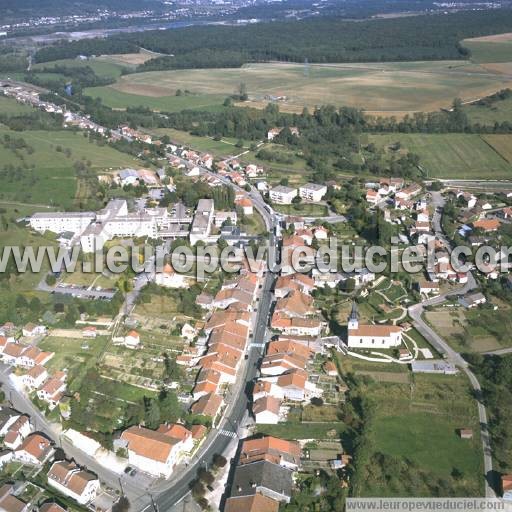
x: 102, y: 67
x: 496, y: 48
x: 454, y: 155
x: 119, y: 99
x: 473, y: 330
x: 386, y: 88
x: 49, y: 165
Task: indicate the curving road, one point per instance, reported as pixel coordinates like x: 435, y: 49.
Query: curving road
x: 416, y: 312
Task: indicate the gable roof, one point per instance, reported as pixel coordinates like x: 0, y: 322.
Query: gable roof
x: 148, y: 443
x: 36, y: 445
x: 269, y: 448
x: 207, y: 405
x: 266, y: 403
x: 264, y: 474
x: 256, y: 503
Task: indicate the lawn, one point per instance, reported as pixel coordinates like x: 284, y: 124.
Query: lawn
x: 451, y: 155
x: 120, y: 99
x: 383, y: 88
x: 71, y: 353
x: 46, y: 175
x: 302, y: 209
x: 295, y: 430
x: 414, y: 446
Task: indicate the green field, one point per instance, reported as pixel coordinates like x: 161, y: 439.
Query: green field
x: 11, y: 107
x: 490, y: 49
x: 52, y: 180
x: 498, y: 112
x: 295, y: 430
x: 169, y: 103
x: 451, y: 155
x: 104, y: 69
x: 414, y: 448
x: 388, y: 88
x: 71, y: 353
x: 219, y: 148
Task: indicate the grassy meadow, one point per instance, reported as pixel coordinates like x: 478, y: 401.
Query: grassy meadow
x: 499, y: 111
x: 413, y: 444
x: 101, y: 67
x: 114, y: 98
x: 495, y: 48
x: 455, y: 155
x: 46, y: 172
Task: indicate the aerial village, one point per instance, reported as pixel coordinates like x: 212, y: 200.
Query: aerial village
x: 249, y: 355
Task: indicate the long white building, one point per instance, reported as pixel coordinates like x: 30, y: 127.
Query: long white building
x: 371, y: 336
x: 59, y: 222
x: 202, y: 223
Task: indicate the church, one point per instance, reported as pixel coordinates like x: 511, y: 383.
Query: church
x: 371, y: 336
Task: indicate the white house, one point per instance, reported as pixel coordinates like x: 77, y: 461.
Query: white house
x: 132, y: 339
x: 266, y: 410
x: 372, y: 196
x: 31, y: 330
x: 35, y: 450
x: 282, y: 194
x: 169, y: 278
x: 202, y: 223
x: 312, y: 192
x: 156, y: 452
x: 67, y: 478
x: 372, y: 336
x: 35, y: 377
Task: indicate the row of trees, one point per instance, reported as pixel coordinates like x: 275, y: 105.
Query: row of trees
x: 325, y: 39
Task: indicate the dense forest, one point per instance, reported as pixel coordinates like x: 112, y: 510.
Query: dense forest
x: 319, y: 40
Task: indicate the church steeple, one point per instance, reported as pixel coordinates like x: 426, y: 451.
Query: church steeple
x: 353, y: 319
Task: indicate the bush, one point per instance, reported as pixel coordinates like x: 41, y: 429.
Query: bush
x: 219, y: 461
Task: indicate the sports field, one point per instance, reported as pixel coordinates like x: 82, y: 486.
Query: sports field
x: 384, y: 88
x: 462, y: 156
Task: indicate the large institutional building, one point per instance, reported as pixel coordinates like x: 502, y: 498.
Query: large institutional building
x: 92, y: 229
x: 371, y: 336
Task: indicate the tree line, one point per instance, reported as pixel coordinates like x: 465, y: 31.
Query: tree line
x: 325, y: 39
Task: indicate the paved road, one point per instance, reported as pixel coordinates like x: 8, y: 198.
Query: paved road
x: 53, y: 431
x: 237, y: 409
x: 416, y: 312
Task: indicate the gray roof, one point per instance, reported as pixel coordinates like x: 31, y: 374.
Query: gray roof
x: 282, y: 189
x: 249, y: 477
x: 433, y: 366
x: 128, y: 173
x: 6, y: 413
x: 313, y: 186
